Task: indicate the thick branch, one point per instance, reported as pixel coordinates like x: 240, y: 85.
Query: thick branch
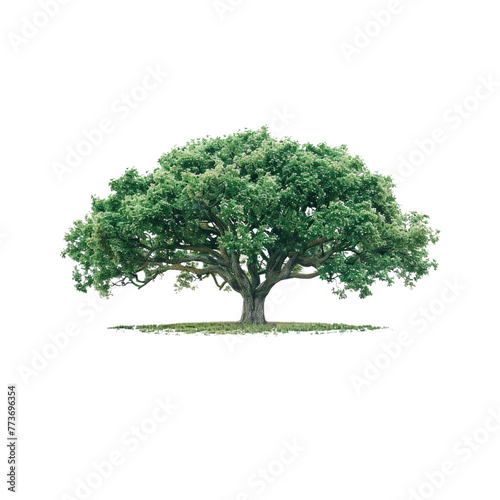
x: 253, y: 269
x: 304, y: 276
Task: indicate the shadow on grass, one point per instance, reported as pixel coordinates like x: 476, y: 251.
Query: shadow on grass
x: 238, y: 328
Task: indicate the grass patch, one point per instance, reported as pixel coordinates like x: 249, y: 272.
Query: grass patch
x: 238, y: 328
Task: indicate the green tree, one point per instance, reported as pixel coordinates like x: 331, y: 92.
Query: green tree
x: 248, y: 211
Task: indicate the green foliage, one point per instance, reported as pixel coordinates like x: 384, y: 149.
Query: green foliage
x: 230, y: 328
x: 250, y: 210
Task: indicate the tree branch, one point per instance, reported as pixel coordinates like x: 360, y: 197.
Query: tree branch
x: 304, y: 276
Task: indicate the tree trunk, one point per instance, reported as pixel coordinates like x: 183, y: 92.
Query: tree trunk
x: 253, y: 309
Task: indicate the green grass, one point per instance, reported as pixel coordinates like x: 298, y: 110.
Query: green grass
x: 238, y: 328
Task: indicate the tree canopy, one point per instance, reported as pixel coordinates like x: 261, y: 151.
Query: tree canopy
x: 249, y: 211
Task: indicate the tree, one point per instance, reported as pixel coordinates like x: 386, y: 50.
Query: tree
x: 249, y: 211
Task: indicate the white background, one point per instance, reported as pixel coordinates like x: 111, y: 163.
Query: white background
x: 247, y: 66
